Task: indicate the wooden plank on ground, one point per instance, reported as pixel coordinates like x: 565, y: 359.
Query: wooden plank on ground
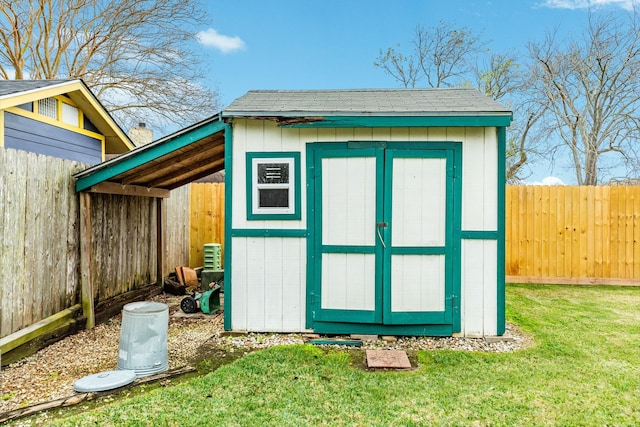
x: 573, y: 280
x: 25, y: 335
x: 83, y: 397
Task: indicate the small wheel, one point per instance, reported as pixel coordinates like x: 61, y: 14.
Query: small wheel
x: 189, y: 305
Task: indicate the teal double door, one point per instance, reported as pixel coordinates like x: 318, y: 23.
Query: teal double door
x: 384, y: 251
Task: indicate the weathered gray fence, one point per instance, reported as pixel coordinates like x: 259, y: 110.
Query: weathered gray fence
x: 39, y: 239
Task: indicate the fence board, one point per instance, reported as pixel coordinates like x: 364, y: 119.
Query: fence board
x: 558, y: 233
x: 551, y: 234
x: 629, y: 243
x: 207, y: 219
x: 636, y: 233
x: 3, y: 184
x: 573, y: 233
x: 178, y: 231
x: 38, y: 274
x: 39, y: 239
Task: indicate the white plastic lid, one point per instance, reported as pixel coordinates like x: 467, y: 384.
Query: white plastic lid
x: 104, y: 381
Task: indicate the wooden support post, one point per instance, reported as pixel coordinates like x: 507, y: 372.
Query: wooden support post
x: 161, y: 225
x: 86, y: 260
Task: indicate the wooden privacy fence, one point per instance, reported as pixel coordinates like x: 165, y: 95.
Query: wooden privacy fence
x: 580, y: 235
x: 40, y: 239
x: 558, y: 234
x: 206, y: 220
x: 39, y: 255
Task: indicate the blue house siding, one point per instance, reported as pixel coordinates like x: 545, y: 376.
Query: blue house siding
x: 22, y: 133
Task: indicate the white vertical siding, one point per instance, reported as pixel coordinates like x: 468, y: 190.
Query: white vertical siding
x: 479, y: 213
x: 479, y: 180
x: 419, y: 202
x: 479, y: 287
x: 348, y: 219
x: 418, y: 283
x: 268, y: 279
x: 491, y: 165
x: 263, y: 136
x: 348, y: 201
x: 348, y: 281
x: 419, y: 218
x: 269, y: 274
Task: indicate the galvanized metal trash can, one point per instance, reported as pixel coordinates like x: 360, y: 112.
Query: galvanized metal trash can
x: 143, y: 338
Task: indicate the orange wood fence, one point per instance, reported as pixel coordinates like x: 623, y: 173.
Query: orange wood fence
x: 565, y: 234
x: 207, y: 219
x: 554, y: 234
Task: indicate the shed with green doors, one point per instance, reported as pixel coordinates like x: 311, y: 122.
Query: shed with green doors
x: 365, y: 211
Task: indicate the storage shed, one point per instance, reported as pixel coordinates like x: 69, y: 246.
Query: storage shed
x: 347, y: 211
x: 365, y: 211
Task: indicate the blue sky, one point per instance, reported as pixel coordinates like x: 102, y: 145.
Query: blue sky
x: 332, y: 44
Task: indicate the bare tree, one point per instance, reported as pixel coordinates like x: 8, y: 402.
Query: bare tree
x: 133, y: 54
x: 500, y: 77
x: 438, y: 55
x: 444, y: 56
x: 592, y: 91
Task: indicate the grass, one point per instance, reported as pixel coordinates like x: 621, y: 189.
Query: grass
x: 583, y: 370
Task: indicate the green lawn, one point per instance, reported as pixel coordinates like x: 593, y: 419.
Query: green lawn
x: 583, y: 370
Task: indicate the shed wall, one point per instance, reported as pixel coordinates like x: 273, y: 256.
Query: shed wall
x: 255, y: 286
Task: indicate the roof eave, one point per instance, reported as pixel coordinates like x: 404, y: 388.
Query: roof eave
x: 106, y: 170
x: 18, y: 98
x: 320, y: 120
x: 232, y: 114
x: 85, y: 99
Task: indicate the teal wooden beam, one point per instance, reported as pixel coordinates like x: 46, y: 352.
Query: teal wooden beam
x: 148, y: 153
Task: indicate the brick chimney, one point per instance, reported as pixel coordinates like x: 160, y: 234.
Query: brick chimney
x: 140, y: 135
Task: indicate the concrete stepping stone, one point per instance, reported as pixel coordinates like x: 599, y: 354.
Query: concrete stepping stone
x: 388, y: 359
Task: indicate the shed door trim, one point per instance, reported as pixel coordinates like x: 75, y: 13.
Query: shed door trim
x: 379, y: 306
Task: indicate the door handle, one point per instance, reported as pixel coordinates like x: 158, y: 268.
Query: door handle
x: 380, y: 225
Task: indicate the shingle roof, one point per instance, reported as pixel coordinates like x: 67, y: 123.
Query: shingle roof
x: 11, y: 87
x: 364, y: 102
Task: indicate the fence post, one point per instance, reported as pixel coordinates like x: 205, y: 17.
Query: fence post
x: 86, y: 259
x: 161, y: 226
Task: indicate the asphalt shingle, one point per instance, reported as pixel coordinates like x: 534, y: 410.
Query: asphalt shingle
x: 414, y: 102
x: 12, y: 87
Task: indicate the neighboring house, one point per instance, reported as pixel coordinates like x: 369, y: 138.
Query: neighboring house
x: 59, y: 118
x: 348, y: 211
x: 49, y: 129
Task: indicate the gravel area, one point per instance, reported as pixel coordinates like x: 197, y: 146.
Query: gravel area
x: 50, y: 373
